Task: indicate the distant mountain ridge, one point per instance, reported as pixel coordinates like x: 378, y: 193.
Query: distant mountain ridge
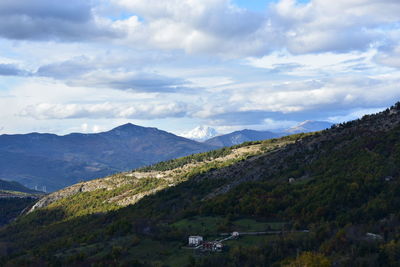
x: 240, y: 137
x: 57, y: 161
x: 309, y: 126
x: 54, y: 161
x: 15, y: 186
x: 246, y: 135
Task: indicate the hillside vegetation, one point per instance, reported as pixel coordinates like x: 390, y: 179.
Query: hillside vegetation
x: 14, y: 198
x: 116, y: 191
x: 340, y: 207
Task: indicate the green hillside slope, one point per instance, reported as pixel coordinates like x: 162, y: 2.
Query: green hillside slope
x: 328, y: 198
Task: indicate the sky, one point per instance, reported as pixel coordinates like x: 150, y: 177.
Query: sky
x: 89, y: 66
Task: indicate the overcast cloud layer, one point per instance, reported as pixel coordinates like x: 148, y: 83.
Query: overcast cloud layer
x: 175, y: 64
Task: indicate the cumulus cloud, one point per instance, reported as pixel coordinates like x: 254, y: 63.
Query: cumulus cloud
x: 336, y: 26
x: 211, y: 26
x: 148, y: 111
x: 48, y: 20
x: 217, y: 17
x: 337, y: 93
x: 218, y: 26
x: 208, y: 26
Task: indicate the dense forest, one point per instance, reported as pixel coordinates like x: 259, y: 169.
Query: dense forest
x: 331, y: 197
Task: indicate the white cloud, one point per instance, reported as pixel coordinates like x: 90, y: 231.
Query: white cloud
x: 340, y: 92
x: 198, y: 26
x: 219, y: 27
x: 324, y: 25
x: 208, y: 26
x: 46, y: 111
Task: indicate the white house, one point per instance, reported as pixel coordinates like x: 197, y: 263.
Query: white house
x: 195, y: 240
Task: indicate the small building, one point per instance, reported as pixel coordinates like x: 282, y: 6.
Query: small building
x: 195, y: 240
x: 292, y: 180
x: 235, y: 234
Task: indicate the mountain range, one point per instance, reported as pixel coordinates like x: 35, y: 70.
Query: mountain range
x: 52, y: 161
x: 327, y: 198
x: 247, y: 135
x: 239, y: 137
x: 309, y: 126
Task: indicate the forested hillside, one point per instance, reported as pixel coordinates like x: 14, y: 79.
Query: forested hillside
x: 330, y: 197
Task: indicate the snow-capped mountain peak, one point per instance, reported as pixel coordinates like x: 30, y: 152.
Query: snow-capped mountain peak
x: 200, y: 133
